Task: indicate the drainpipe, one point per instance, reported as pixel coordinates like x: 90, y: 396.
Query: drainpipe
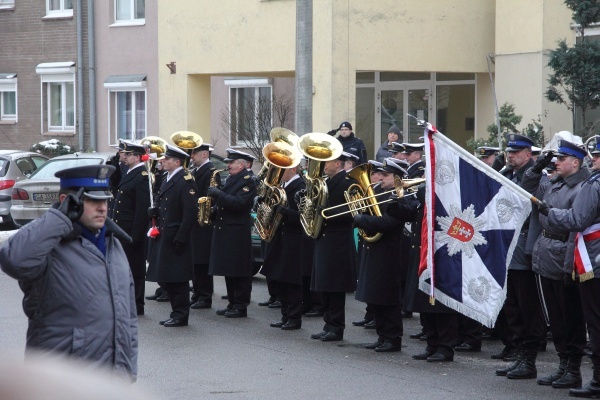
x: 490, y: 58
x: 80, y: 110
x: 92, y: 74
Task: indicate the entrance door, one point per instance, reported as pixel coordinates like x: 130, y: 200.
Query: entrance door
x: 395, y: 104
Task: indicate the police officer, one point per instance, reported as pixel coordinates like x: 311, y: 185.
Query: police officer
x: 334, y: 265
x: 553, y: 261
x: 171, y: 259
x: 129, y: 212
x: 379, y: 276
x: 231, y: 248
x: 522, y: 309
x: 584, y: 217
x: 414, y: 155
x: 203, y: 171
x: 283, y: 260
x: 351, y: 143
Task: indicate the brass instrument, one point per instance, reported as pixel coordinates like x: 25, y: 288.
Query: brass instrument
x: 317, y: 148
x: 186, y: 141
x: 279, y: 156
x: 156, y: 146
x: 283, y: 135
x: 360, y: 203
x: 362, y: 193
x: 205, y: 202
x: 587, y: 146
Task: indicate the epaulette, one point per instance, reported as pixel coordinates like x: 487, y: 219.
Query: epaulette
x: 594, y: 177
x: 247, y: 177
x: 213, y: 168
x: 188, y: 176
x: 144, y: 173
x: 421, y: 168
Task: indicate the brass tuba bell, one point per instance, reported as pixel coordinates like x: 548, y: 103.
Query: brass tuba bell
x: 186, y: 141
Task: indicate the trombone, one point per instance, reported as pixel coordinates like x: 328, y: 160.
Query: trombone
x: 359, y: 204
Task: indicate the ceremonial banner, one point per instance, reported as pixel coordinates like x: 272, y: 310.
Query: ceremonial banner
x: 472, y: 222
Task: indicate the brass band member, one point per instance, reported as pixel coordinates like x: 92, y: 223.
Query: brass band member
x: 231, y: 248
x: 129, y: 212
x: 379, y: 275
x: 334, y: 264
x: 171, y: 258
x: 203, y: 172
x: 283, y: 261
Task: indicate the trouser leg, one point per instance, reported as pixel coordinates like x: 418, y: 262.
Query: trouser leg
x: 334, y: 304
x: 179, y: 296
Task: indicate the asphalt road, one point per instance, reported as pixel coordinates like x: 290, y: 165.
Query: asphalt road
x: 221, y: 358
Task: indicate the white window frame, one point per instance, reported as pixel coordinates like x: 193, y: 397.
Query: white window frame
x: 8, y: 83
x: 114, y: 87
x: 62, y: 73
x: 7, y: 4
x: 60, y: 13
x: 247, y: 83
x: 128, y: 22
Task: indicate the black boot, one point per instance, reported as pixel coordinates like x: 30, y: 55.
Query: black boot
x: 572, y: 376
x: 556, y: 375
x: 526, y: 369
x: 513, y: 365
x: 591, y: 390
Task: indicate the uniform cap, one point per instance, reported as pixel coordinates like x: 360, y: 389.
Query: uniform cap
x: 396, y: 147
x: 566, y: 148
x: 391, y: 165
x: 485, y: 151
x: 176, y: 152
x: 126, y: 146
x: 410, y: 147
x: 93, y: 178
x: 347, y: 156
x: 377, y: 166
x: 233, y: 154
x: 518, y: 142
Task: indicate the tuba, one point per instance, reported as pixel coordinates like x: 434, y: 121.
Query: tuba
x: 186, y: 141
x: 318, y: 148
x: 205, y: 202
x: 279, y: 156
x: 361, y: 197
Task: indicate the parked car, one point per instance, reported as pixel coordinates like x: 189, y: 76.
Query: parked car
x: 32, y: 197
x: 15, y: 166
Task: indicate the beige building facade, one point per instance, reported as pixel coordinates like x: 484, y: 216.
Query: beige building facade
x: 373, y: 63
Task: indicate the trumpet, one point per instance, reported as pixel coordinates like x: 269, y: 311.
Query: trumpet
x: 402, y: 188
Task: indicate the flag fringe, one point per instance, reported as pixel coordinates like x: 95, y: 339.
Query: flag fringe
x: 587, y: 276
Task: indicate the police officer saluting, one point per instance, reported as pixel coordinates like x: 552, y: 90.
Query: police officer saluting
x: 129, y: 212
x: 171, y: 258
x: 231, y: 249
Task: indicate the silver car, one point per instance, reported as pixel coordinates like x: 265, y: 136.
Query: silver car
x: 33, y: 197
x: 15, y: 166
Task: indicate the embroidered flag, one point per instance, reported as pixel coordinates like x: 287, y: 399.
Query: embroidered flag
x: 472, y: 222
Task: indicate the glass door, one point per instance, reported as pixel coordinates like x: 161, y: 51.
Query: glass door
x: 418, y: 106
x: 392, y: 112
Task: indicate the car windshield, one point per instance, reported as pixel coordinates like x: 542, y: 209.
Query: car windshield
x: 48, y: 170
x: 3, y: 166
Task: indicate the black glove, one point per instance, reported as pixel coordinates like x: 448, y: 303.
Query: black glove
x: 281, y: 210
x: 568, y: 280
x: 256, y: 200
x: 543, y: 208
x: 357, y: 219
x: 333, y: 132
x: 499, y: 162
x: 153, y: 212
x: 178, y: 247
x: 421, y: 195
x: 72, y: 205
x: 542, y: 162
x: 213, y: 192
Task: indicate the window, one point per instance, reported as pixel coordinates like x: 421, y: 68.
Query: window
x: 250, y: 111
x: 127, y: 107
x: 59, y: 8
x: 130, y: 11
x: 7, y: 4
x: 57, y: 97
x: 8, y: 97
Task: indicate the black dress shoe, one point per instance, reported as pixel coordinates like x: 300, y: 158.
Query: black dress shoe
x: 275, y: 304
x: 407, y: 314
x: 200, y: 304
x: 173, y: 322
x: 373, y: 346
x: 422, y: 356
x: 235, y: 313
x: 318, y: 335
x: 224, y: 297
x: 164, y: 320
x: 417, y: 335
x: 278, y: 324
x: 466, y: 347
x: 314, y: 313
x: 266, y: 303
x: 163, y: 298
x: 388, y: 347
x: 332, y: 337
x: 362, y: 322
x: 370, y: 325
x: 439, y: 357
x: 223, y: 311
x: 291, y: 326
x: 152, y: 297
